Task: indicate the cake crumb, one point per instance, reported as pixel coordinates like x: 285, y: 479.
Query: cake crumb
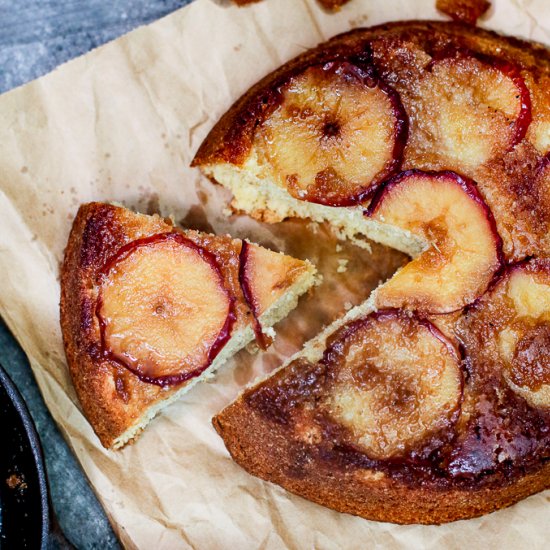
x: 467, y: 11
x: 252, y: 347
x: 16, y: 482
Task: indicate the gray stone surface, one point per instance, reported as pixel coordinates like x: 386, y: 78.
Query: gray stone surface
x: 38, y: 35
x: 35, y: 37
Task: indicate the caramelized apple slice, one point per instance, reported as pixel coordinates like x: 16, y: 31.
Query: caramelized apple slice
x: 464, y: 251
x: 395, y: 383
x: 163, y: 308
x: 539, y: 129
x: 472, y: 109
x: 337, y: 133
x: 265, y: 276
x: 523, y: 297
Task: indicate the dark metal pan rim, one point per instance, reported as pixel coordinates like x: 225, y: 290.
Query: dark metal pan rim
x: 29, y: 433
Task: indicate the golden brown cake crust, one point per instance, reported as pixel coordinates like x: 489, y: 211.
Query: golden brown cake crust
x: 360, y: 492
x: 112, y: 397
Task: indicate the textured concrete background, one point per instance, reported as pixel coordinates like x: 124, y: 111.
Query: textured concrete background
x: 35, y: 37
x: 38, y: 35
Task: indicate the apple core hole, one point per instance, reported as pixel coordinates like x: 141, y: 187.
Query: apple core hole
x: 331, y: 129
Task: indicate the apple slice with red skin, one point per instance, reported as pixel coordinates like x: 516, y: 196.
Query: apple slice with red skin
x: 518, y: 307
x: 265, y: 276
x: 245, y: 280
x: 465, y: 248
x: 163, y: 308
x: 395, y: 383
x: 473, y: 107
x: 336, y: 134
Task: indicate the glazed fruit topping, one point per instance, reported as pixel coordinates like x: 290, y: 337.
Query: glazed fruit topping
x: 336, y: 134
x: 395, y: 382
x: 472, y: 108
x: 523, y: 294
x: 265, y: 276
x: 246, y: 274
x: 464, y: 249
x: 163, y: 308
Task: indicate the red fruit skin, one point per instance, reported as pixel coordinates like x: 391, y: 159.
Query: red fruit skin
x: 532, y: 265
x: 223, y: 335
x: 366, y: 74
x: 261, y: 339
x: 507, y: 68
x: 389, y: 313
x: 525, y: 115
x: 513, y: 72
x: 466, y: 184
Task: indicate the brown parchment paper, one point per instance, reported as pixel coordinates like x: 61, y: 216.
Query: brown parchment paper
x: 122, y: 124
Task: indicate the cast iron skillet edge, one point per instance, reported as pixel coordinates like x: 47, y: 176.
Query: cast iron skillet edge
x: 24, y: 500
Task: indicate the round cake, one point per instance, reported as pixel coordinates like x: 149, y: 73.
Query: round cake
x: 430, y: 402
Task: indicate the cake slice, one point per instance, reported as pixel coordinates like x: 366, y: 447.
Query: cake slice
x: 148, y: 310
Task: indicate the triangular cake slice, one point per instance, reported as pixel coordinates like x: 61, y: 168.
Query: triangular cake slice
x: 148, y: 310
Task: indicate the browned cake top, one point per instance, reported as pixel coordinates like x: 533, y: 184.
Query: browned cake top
x: 461, y: 399
x: 429, y: 96
x: 443, y: 130
x: 146, y: 307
